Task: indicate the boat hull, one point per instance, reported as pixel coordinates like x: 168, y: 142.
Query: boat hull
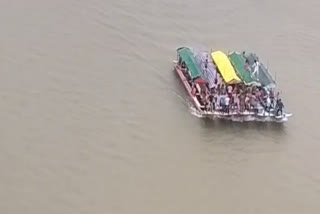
x: 188, y: 88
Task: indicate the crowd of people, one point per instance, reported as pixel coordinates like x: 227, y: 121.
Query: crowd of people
x: 239, y: 98
x: 235, y: 98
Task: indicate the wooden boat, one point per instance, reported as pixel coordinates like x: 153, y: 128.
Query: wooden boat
x: 201, y: 72
x: 189, y: 72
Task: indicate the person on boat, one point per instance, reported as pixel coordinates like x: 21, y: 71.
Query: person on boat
x: 208, y: 105
x: 206, y: 63
x: 203, y: 92
x: 247, y: 102
x: 256, y: 66
x: 213, y: 90
x: 262, y: 94
x: 242, y: 101
x: 183, y: 65
x: 246, y: 66
x: 280, y: 107
x: 227, y: 104
x: 271, y: 95
x: 236, y: 102
x: 218, y: 89
x: 252, y: 102
x: 218, y: 102
x: 216, y: 80
x: 223, y: 89
x: 179, y: 61
x: 213, y: 101
x: 229, y: 92
x: 229, y: 89
x: 257, y: 94
x: 268, y: 104
x: 223, y: 102
x: 193, y: 91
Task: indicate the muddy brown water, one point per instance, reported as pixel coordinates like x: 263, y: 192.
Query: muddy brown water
x: 93, y: 120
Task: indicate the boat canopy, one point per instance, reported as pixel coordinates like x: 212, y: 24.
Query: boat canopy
x: 238, y: 62
x: 264, y: 76
x: 188, y: 58
x: 209, y: 73
x: 225, y: 67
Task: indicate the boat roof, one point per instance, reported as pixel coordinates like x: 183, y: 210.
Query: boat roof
x: 225, y: 67
x: 238, y: 62
x: 187, y: 56
x: 265, y: 77
x: 209, y: 73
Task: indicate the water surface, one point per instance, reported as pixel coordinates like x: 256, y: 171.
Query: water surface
x: 94, y: 120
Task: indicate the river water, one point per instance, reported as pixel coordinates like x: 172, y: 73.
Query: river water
x: 94, y: 120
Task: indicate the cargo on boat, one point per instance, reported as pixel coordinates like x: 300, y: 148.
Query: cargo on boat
x: 234, y: 86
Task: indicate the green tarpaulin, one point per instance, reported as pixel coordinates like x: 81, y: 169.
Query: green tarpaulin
x: 190, y: 61
x: 264, y: 76
x: 238, y: 62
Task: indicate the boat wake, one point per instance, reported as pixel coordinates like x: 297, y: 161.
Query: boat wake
x: 193, y: 110
x: 247, y: 118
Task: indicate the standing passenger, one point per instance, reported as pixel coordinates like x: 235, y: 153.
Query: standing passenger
x: 246, y: 65
x: 227, y: 103
x: 280, y: 107
x: 206, y: 63
x: 242, y: 101
x: 256, y: 66
x: 272, y: 98
x: 268, y: 106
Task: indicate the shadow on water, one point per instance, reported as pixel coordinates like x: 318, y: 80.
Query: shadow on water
x: 242, y: 133
x: 232, y: 126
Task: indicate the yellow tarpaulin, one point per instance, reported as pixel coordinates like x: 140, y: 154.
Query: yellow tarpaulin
x: 225, y: 67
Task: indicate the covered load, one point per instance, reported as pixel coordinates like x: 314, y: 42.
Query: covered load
x: 186, y: 55
x: 208, y: 70
x: 225, y: 67
x: 264, y: 77
x: 239, y: 63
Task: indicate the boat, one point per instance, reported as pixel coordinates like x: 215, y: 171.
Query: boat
x: 190, y: 74
x: 220, y: 86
